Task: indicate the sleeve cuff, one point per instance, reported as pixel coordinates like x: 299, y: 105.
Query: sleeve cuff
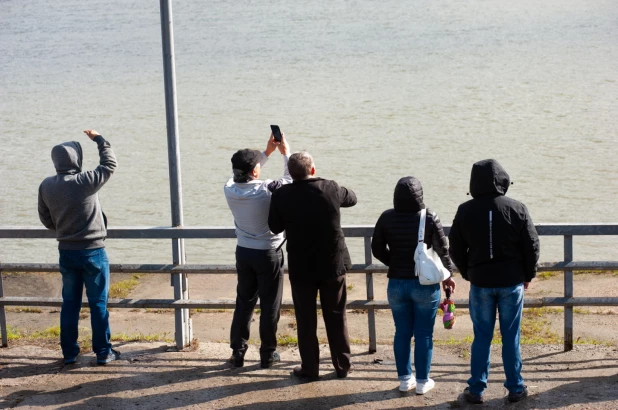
x: 263, y: 158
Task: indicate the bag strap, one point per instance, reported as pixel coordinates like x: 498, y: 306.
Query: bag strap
x: 421, y: 226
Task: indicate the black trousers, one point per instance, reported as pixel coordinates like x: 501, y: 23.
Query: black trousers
x: 260, y: 273
x: 333, y: 295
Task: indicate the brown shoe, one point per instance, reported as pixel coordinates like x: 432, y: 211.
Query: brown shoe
x: 302, y: 374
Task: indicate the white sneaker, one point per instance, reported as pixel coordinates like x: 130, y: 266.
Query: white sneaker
x: 424, y: 386
x: 407, y: 385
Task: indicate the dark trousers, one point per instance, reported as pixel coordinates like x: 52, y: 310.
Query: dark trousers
x: 333, y: 296
x: 260, y: 273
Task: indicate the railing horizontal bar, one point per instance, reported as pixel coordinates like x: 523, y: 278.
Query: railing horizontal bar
x: 580, y: 265
x: 215, y: 269
x: 222, y: 232
x: 230, y: 303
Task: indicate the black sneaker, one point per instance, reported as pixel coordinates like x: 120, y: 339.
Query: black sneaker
x: 471, y: 397
x: 111, y: 356
x: 238, y: 358
x: 515, y: 397
x: 270, y: 360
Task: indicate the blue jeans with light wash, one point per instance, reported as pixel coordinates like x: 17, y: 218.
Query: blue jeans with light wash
x: 509, y: 302
x: 414, y: 308
x: 88, y: 267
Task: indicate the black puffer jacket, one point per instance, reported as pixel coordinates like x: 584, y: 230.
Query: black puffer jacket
x: 493, y: 240
x: 395, y: 234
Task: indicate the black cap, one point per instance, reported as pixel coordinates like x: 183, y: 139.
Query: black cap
x: 245, y: 160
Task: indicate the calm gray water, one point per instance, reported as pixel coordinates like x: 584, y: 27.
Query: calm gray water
x: 375, y: 90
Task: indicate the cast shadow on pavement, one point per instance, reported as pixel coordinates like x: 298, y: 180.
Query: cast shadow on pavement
x: 190, y: 381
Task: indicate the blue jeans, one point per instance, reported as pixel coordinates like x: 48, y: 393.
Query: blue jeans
x: 89, y: 267
x: 414, y: 308
x: 483, y: 303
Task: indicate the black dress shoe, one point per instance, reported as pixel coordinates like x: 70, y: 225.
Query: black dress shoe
x: 238, y: 358
x: 343, y: 374
x: 270, y: 360
x: 302, y: 374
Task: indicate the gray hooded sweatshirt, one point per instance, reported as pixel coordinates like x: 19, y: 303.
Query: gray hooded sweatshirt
x: 69, y: 203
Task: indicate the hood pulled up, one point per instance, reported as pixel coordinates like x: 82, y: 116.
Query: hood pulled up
x: 408, y: 195
x: 488, y: 178
x: 67, y: 157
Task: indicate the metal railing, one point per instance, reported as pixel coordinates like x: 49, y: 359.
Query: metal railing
x: 368, y: 268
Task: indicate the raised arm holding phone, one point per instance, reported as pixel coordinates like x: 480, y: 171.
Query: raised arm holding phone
x: 259, y: 259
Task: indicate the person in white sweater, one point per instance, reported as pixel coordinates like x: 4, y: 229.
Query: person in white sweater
x: 259, y: 258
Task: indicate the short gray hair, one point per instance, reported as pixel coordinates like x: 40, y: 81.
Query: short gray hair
x: 299, y: 165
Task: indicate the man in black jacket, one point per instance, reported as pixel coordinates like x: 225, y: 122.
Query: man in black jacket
x: 308, y: 210
x: 494, y: 244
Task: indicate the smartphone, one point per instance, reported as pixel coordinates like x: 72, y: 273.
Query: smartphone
x: 276, y: 132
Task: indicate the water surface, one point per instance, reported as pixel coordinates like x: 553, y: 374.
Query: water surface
x: 374, y: 92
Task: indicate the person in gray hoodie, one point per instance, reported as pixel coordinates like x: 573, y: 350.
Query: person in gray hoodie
x: 259, y: 258
x: 69, y: 205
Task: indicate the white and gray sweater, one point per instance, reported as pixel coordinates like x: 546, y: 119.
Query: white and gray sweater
x: 250, y: 203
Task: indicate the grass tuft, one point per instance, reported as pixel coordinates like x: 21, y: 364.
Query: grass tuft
x: 539, y: 312
x: 588, y: 341
x: 140, y: 337
x: 50, y: 332
x: 51, y: 335
x: 287, y: 340
x: 23, y: 310
x: 158, y: 311
x: 13, y: 333
x: 451, y: 341
x: 536, y: 330
x: 122, y: 289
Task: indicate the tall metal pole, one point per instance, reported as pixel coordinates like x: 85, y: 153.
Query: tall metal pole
x: 371, y: 313
x: 568, y: 293
x: 3, y: 327
x: 181, y: 288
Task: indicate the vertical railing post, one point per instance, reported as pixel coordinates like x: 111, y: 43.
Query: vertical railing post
x: 181, y: 291
x: 568, y: 293
x: 3, y: 330
x: 371, y: 313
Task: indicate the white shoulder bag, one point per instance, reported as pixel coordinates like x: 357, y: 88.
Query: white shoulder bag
x: 429, y: 267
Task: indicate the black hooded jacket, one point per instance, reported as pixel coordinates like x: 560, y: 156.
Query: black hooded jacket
x: 493, y: 241
x: 395, y: 234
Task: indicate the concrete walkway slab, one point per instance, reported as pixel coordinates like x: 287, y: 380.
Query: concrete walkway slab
x: 155, y: 376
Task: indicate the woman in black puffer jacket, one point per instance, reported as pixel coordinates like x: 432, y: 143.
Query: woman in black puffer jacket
x: 414, y: 306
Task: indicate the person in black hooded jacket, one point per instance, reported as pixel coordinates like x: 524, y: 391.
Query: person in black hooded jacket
x: 414, y: 306
x: 494, y: 244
